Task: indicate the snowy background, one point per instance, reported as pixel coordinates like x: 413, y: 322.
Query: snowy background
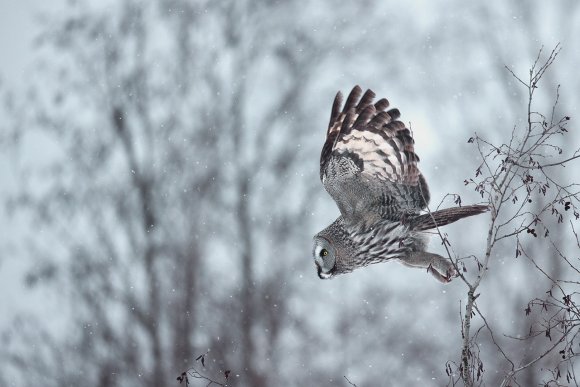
x: 159, y: 182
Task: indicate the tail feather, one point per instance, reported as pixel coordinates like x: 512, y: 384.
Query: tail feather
x: 445, y: 216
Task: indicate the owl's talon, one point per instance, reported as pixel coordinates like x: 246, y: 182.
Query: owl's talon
x: 451, y: 273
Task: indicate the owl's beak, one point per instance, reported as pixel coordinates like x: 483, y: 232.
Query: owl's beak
x: 321, y: 275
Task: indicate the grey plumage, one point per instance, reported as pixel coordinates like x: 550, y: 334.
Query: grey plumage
x: 368, y: 165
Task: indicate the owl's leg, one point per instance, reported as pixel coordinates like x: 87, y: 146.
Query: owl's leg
x: 440, y: 268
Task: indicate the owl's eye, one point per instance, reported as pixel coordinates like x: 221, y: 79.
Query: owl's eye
x: 323, y: 253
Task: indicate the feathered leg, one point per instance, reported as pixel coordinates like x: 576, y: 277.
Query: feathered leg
x: 441, y: 268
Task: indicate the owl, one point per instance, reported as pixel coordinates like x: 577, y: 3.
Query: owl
x: 369, y: 167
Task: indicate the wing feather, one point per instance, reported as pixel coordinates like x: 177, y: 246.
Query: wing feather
x: 365, y: 116
x: 368, y: 162
x: 365, y: 101
x: 335, y: 111
x: 382, y: 104
x: 353, y: 97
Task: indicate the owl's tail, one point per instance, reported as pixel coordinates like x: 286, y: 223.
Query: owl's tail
x: 446, y: 216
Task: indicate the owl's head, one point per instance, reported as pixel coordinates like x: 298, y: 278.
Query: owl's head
x: 324, y: 255
x: 333, y: 251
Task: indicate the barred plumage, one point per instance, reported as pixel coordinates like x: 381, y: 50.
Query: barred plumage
x: 368, y: 165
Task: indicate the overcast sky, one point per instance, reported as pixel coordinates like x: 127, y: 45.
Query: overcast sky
x: 18, y: 27
x: 17, y: 31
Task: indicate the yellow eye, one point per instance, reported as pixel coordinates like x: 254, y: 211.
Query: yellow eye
x: 323, y: 253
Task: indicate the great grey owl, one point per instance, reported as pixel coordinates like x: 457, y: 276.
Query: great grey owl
x: 369, y: 167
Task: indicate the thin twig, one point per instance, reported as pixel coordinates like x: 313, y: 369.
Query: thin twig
x: 349, y: 382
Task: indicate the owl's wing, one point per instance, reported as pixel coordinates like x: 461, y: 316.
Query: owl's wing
x: 368, y: 162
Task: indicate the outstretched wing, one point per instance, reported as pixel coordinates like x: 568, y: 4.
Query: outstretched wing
x: 368, y: 162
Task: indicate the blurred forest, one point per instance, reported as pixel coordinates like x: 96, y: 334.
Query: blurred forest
x: 166, y: 154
